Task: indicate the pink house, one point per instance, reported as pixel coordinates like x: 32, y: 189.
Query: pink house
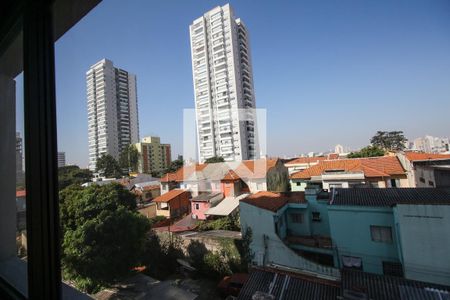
x: 203, y: 202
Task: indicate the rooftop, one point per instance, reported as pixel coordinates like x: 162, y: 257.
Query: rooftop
x: 206, y: 197
x: 389, y: 287
x: 222, y: 171
x: 418, y: 156
x: 286, y: 287
x: 383, y: 166
x: 169, y: 196
x: 389, y: 196
x: 274, y: 201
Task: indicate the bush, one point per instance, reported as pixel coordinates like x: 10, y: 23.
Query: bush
x: 225, y: 223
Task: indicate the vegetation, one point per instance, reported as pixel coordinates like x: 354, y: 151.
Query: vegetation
x: 369, y: 151
x: 156, y: 219
x: 214, y: 159
x: 230, y: 258
x: 175, y: 164
x: 161, y: 254
x: 107, y: 165
x: 103, y: 236
x: 389, y: 140
x: 226, y: 223
x: 69, y: 175
x: 278, y: 182
x: 129, y: 159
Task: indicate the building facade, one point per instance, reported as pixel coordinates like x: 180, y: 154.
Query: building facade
x: 112, y: 110
x: 61, y: 159
x: 153, y: 156
x: 20, y: 176
x: 399, y: 232
x: 223, y: 86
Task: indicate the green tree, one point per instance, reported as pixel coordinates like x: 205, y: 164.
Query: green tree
x: 107, y: 165
x: 278, y: 181
x: 369, y: 151
x: 69, y: 175
x: 389, y: 140
x: 176, y: 164
x: 214, y: 159
x: 103, y: 236
x: 129, y: 158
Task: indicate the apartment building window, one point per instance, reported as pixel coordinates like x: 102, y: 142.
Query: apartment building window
x: 352, y: 262
x: 296, y: 217
x: 382, y: 234
x: 316, y: 217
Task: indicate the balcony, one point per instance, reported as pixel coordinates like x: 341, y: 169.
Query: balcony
x: 313, y: 241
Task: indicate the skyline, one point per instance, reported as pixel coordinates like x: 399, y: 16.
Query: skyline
x: 393, y: 54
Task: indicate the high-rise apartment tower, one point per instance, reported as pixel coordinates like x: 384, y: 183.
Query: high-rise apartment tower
x: 223, y: 86
x: 112, y: 110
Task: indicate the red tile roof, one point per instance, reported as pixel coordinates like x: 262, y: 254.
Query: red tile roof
x: 306, y: 160
x: 246, y: 169
x: 415, y: 156
x: 274, y: 201
x: 21, y: 193
x: 182, y: 173
x: 169, y: 196
x: 383, y: 166
x: 151, y: 187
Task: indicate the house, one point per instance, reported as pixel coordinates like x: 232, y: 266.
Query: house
x: 301, y: 163
x: 204, y: 201
x: 426, y: 169
x: 401, y: 232
x: 392, y: 231
x: 173, y: 204
x: 276, y: 217
x: 384, y: 171
x: 231, y: 178
x: 146, y: 191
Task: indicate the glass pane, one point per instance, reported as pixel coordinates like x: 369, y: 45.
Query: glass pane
x: 13, y: 233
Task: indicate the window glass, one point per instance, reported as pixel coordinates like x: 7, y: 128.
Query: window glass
x: 381, y: 234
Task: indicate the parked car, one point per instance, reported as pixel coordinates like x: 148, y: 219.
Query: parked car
x: 231, y: 285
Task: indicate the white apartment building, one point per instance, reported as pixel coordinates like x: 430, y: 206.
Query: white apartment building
x: 431, y: 144
x: 223, y: 86
x: 112, y: 110
x: 61, y: 159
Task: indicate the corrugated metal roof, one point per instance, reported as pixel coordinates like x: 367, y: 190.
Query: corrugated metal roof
x: 390, y: 196
x: 286, y: 287
x: 381, y: 287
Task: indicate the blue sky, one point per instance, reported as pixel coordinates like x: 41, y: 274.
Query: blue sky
x: 327, y: 72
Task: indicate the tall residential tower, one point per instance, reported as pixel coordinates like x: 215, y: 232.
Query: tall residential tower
x: 112, y: 110
x: 223, y: 86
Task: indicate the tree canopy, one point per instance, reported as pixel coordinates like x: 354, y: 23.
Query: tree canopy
x: 176, y: 164
x: 129, y: 158
x: 103, y: 236
x: 107, y: 165
x: 214, y: 159
x: 389, y: 140
x: 369, y: 151
x: 69, y: 175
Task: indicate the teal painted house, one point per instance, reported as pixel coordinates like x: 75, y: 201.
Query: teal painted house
x: 401, y: 232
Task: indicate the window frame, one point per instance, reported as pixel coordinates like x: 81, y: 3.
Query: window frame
x: 380, y: 239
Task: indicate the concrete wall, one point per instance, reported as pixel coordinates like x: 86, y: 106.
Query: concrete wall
x: 267, y: 246
x: 200, y: 212
x: 350, y: 231
x: 8, y: 167
x: 297, y: 188
x: 323, y: 227
x: 424, y: 232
